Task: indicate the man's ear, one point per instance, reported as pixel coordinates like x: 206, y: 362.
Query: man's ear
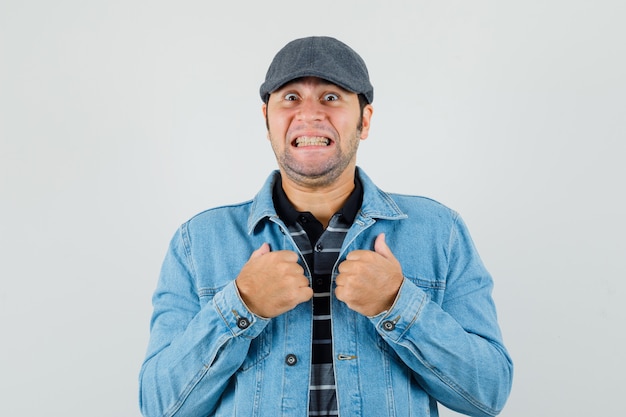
x: 267, y: 124
x: 368, y: 110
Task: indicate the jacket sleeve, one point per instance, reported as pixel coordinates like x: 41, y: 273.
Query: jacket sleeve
x: 194, y: 349
x: 454, y: 349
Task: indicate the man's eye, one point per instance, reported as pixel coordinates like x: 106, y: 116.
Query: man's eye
x: 291, y: 97
x: 331, y: 97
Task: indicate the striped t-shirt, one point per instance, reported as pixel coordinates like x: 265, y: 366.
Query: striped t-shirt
x: 320, y: 249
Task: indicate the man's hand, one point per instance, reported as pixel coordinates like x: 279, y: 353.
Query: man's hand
x: 272, y: 283
x: 368, y: 281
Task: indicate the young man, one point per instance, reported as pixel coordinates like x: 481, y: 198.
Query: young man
x: 323, y: 296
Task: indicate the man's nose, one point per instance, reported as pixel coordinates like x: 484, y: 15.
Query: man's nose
x: 311, y: 110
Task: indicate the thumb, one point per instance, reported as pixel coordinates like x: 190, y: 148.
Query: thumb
x: 262, y: 250
x: 381, y: 248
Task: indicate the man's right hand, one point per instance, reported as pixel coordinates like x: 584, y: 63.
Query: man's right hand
x: 272, y: 283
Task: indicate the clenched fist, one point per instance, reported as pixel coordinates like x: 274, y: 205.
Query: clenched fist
x: 272, y: 283
x: 368, y: 281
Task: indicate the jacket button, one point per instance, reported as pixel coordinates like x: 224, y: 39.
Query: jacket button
x: 291, y: 359
x: 243, y: 323
x: 389, y: 325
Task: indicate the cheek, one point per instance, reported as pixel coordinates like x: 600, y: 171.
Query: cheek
x: 276, y: 122
x: 349, y: 126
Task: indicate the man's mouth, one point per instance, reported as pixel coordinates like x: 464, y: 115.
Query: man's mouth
x: 303, y: 141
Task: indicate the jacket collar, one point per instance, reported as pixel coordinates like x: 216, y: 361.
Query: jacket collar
x: 376, y: 203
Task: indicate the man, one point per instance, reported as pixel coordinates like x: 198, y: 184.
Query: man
x: 323, y: 296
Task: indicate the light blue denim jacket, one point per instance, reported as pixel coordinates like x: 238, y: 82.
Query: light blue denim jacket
x: 208, y: 355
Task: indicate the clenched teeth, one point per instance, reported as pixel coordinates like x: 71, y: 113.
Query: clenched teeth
x: 312, y: 141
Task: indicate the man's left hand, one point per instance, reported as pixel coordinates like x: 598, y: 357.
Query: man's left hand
x: 368, y: 281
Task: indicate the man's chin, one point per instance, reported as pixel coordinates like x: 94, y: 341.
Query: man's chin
x: 313, y: 177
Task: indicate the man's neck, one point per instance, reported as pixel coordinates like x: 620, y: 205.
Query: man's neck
x: 322, y: 202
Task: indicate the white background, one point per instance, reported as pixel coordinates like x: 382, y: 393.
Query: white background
x: 121, y: 119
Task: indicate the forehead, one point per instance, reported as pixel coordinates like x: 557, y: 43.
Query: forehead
x: 311, y: 82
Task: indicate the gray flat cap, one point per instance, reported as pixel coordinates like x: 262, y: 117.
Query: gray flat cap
x: 322, y: 57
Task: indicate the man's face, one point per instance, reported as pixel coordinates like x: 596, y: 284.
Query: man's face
x: 313, y: 126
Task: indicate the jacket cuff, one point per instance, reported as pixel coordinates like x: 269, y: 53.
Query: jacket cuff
x: 395, y: 322
x: 236, y: 316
